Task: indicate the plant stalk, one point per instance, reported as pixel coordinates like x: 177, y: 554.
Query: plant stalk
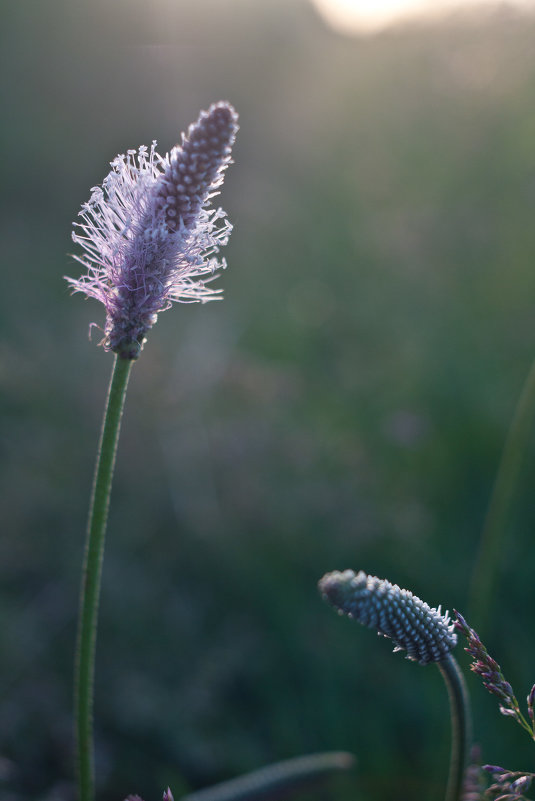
x: 279, y: 780
x: 91, y: 577
x: 461, y: 725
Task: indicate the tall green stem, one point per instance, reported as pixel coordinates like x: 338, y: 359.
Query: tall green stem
x: 502, y: 493
x: 461, y: 725
x: 91, y: 577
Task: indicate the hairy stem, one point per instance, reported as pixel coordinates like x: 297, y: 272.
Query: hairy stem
x: 461, y: 725
x: 91, y: 577
x: 502, y: 493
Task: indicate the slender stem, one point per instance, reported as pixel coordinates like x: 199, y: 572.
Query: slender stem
x: 279, y: 780
x: 461, y: 725
x: 502, y: 493
x: 91, y: 577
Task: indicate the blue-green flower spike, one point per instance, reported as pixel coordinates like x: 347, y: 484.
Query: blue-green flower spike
x: 424, y: 633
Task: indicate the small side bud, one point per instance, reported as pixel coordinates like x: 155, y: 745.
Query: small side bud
x: 493, y: 769
x: 531, y: 703
x: 521, y: 785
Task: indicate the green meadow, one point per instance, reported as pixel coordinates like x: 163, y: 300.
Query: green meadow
x: 344, y: 406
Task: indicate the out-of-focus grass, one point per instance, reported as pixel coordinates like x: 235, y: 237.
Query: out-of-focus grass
x: 345, y: 406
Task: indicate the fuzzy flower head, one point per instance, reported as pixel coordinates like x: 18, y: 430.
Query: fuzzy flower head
x: 426, y: 634
x: 149, y: 233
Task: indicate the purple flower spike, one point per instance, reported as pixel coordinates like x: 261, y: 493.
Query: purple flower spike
x: 484, y: 666
x: 149, y: 234
x: 168, y: 795
x: 426, y: 634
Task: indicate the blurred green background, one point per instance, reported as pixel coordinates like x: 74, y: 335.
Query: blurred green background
x: 345, y: 406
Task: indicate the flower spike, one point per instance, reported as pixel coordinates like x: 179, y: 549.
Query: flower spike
x: 484, y: 666
x: 148, y: 232
x: 425, y: 633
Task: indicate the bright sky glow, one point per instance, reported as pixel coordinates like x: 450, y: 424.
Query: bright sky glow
x: 368, y: 16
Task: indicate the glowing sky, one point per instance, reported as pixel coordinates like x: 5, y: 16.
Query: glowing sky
x: 372, y: 15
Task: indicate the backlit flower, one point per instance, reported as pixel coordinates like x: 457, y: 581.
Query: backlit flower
x: 149, y: 233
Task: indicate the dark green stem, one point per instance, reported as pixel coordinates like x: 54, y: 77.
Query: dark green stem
x: 461, y: 725
x: 502, y: 493
x: 91, y: 577
x: 278, y: 780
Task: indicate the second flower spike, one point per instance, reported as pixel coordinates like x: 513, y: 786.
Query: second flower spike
x: 425, y: 633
